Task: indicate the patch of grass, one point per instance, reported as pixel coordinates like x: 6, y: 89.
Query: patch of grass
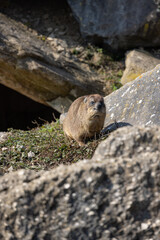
x: 41, y: 148
x: 117, y: 84
x: 100, y: 50
x: 43, y: 38
x: 108, y: 66
x: 75, y: 51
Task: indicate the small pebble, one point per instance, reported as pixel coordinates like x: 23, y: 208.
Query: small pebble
x: 31, y: 154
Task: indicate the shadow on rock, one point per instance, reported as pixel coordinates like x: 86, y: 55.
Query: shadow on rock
x: 113, y: 126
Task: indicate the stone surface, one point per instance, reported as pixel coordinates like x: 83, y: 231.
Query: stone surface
x: 61, y: 104
x: 121, y: 23
x: 137, y: 102
x: 113, y: 196
x: 138, y: 62
x: 30, y: 66
x: 130, y: 142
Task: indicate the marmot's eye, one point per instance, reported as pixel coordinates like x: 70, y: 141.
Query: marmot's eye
x: 92, y: 102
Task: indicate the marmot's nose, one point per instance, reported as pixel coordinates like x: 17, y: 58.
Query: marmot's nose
x: 98, y: 106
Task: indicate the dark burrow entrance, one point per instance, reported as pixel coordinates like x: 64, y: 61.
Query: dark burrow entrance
x: 20, y: 112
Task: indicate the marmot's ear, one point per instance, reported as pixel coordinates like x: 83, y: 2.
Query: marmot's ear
x: 85, y: 100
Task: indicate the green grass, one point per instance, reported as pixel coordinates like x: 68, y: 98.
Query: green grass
x: 117, y: 84
x: 41, y: 148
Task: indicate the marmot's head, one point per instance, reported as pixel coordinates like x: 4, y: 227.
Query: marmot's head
x: 95, y: 106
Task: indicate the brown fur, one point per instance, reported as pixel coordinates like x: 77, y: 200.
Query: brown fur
x: 85, y: 118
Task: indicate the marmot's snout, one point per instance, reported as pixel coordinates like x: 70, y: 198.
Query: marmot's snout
x: 98, y: 106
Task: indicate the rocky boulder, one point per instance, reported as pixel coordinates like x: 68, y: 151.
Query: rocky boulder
x: 138, y: 62
x: 32, y: 67
x: 114, y: 195
x: 137, y: 102
x: 119, y: 24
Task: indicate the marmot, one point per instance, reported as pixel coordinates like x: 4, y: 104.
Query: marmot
x: 85, y: 118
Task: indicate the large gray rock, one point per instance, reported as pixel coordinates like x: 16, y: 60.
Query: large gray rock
x: 137, y: 102
x: 130, y: 142
x: 119, y: 23
x: 138, y: 62
x: 114, y: 195
x: 31, y: 67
